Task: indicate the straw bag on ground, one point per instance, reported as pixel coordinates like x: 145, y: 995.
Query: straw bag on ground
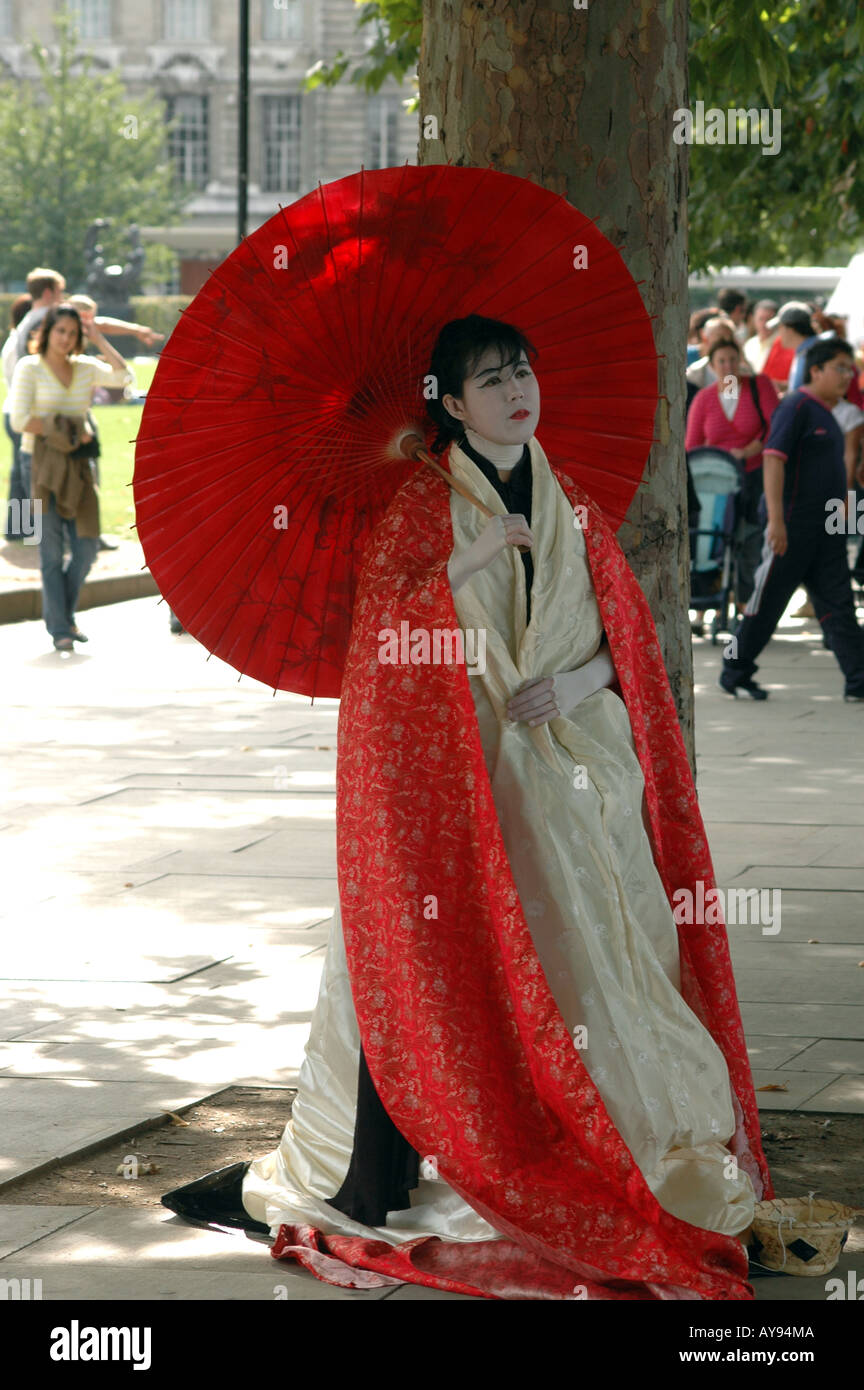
x: 800, y: 1235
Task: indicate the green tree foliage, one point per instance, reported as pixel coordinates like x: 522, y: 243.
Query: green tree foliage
x: 805, y: 204
x: 75, y: 148
x: 803, y: 57
x: 393, y: 52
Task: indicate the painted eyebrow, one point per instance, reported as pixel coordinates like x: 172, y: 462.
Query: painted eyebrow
x: 523, y: 361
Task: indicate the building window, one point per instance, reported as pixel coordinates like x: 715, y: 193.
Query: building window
x: 92, y: 18
x: 281, y: 19
x: 382, y: 115
x: 187, y: 142
x: 186, y: 19
x: 280, y: 144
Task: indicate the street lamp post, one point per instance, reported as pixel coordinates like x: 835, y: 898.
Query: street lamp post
x: 243, y: 123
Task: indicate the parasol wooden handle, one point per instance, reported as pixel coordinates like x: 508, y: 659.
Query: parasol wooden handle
x: 412, y: 446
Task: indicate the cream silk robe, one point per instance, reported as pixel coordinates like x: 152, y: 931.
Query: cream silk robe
x: 569, y: 797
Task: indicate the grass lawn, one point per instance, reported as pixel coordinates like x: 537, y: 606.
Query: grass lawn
x: 118, y: 426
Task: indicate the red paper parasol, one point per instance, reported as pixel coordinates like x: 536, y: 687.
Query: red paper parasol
x: 266, y: 449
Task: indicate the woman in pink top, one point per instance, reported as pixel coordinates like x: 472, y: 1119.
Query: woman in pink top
x: 733, y: 414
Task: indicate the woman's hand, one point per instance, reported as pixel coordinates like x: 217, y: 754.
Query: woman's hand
x: 148, y: 336
x: 535, y: 703
x: 497, y: 534
x: 775, y: 535
x: 549, y: 697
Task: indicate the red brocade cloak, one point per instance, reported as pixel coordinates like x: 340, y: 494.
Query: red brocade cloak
x: 461, y: 1033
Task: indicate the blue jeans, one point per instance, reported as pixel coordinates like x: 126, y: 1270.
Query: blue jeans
x: 17, y: 493
x: 61, y: 587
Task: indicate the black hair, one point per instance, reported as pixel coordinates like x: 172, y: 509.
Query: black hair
x: 729, y: 300
x: 54, y: 313
x: 723, y: 343
x: 458, y: 348
x: 700, y: 317
x: 825, y: 350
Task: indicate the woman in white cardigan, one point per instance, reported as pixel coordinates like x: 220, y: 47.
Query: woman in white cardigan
x: 57, y: 380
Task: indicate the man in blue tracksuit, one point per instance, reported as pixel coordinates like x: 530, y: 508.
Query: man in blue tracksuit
x: 804, y: 472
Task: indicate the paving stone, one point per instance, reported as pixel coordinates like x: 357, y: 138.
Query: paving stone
x: 800, y: 1020
x: 801, y: 1289
x: 830, y: 917
x: 17, y: 1016
x: 722, y: 808
x: 177, y: 1282
x: 21, y: 1226
x: 308, y: 853
x: 768, y: 1053
x: 844, y: 1096
x: 413, y: 1293
x: 793, y: 844
x: 46, y: 1119
x: 813, y: 878
x: 244, y: 1051
x: 146, y: 1237
x: 774, y: 952
x: 800, y: 1087
x: 829, y: 1055
x: 820, y: 986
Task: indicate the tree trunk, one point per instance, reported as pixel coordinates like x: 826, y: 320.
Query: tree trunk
x: 581, y: 101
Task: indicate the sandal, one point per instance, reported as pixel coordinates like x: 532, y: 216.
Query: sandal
x: 78, y: 635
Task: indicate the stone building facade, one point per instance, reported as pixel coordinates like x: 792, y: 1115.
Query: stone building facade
x: 186, y: 51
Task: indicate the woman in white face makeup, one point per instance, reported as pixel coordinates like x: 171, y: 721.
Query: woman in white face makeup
x: 501, y: 1056
x: 498, y: 410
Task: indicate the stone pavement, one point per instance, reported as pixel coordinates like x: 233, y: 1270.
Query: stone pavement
x: 117, y: 575
x: 170, y: 871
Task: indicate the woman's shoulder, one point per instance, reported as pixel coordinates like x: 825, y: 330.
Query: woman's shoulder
x: 422, y: 488
x: 25, y: 369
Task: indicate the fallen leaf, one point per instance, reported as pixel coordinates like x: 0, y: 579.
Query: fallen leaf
x: 128, y: 885
x: 175, y: 1119
x: 774, y: 1086
x: 812, y: 941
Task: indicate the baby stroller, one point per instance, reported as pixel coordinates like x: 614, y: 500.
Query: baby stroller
x: 716, y: 480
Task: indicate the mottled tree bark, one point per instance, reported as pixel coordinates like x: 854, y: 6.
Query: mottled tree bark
x: 580, y: 100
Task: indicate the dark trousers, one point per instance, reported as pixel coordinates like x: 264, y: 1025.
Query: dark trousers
x: 747, y: 538
x: 819, y: 562
x: 384, y: 1168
